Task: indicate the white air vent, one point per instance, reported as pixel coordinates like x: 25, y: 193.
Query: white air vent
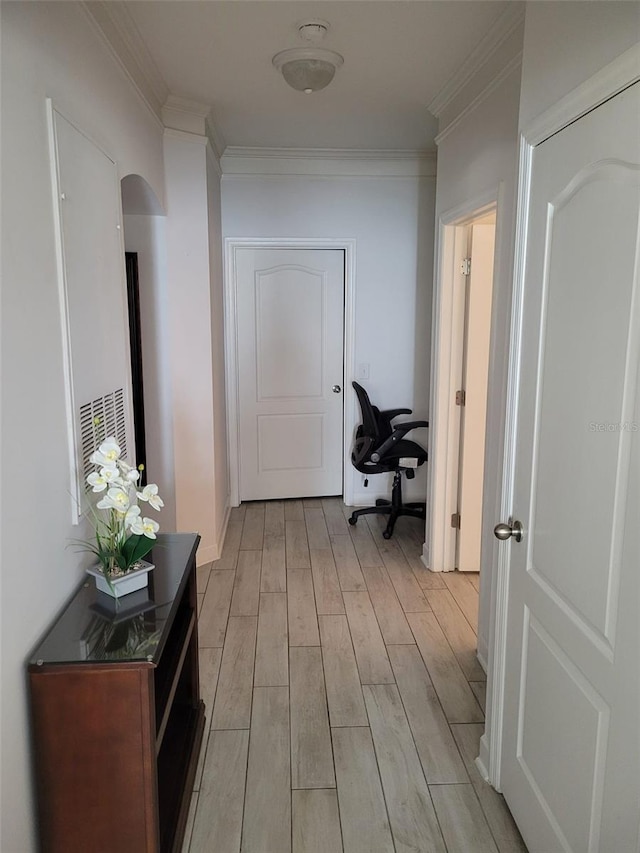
x: 99, y: 419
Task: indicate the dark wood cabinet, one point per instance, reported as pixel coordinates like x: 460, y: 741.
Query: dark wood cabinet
x: 117, y: 717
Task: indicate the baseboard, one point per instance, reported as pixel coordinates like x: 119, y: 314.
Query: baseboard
x: 482, y: 761
x: 425, y: 558
x: 367, y: 498
x: 482, y: 654
x: 223, y: 527
x: 207, y: 555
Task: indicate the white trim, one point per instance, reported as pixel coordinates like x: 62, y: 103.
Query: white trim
x: 499, y: 32
x: 63, y: 312
x: 350, y: 417
x: 184, y: 105
x: 328, y: 162
x: 445, y: 372
x: 215, y: 136
x: 513, y: 65
x: 213, y: 158
x: 500, y: 581
x: 119, y: 34
x: 185, y: 136
x: 612, y: 79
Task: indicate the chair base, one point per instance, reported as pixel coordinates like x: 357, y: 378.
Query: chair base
x: 393, y: 508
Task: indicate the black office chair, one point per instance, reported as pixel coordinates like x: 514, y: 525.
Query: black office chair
x: 380, y: 447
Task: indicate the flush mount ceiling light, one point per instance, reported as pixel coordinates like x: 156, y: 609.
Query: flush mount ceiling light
x: 308, y: 69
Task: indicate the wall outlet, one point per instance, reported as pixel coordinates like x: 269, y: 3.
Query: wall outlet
x: 363, y: 370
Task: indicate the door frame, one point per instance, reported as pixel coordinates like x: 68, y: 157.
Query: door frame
x: 231, y: 247
x: 439, y: 551
x: 605, y: 84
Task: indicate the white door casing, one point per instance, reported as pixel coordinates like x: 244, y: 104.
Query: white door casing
x: 570, y: 767
x: 290, y: 322
x: 440, y: 549
x: 475, y: 383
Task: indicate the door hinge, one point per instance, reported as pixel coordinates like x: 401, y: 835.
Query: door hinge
x: 465, y: 266
x: 455, y: 521
x: 461, y: 398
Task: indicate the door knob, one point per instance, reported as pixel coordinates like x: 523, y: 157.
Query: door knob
x: 336, y: 389
x: 505, y: 531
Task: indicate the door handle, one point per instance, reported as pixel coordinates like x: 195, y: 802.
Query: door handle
x: 336, y: 389
x: 513, y: 529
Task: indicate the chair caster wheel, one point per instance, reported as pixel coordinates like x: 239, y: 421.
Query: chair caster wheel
x: 386, y: 534
x: 352, y: 521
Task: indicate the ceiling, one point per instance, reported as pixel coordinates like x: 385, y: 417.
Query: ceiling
x: 398, y: 55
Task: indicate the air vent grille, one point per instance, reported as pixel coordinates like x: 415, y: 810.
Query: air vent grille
x: 101, y: 418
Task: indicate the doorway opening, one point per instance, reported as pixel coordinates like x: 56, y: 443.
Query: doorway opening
x: 135, y: 343
x: 459, y: 382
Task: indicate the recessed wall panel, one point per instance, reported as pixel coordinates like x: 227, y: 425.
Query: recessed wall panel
x: 289, y: 333
x: 562, y: 740
x: 301, y: 450
x: 584, y: 416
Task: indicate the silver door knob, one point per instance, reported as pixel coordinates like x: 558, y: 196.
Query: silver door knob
x: 336, y: 389
x: 511, y: 529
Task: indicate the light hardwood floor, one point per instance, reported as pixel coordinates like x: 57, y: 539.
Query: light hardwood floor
x: 344, y: 700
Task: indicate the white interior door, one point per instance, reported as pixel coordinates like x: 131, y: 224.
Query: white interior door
x: 571, y: 748
x: 474, y: 411
x: 290, y: 329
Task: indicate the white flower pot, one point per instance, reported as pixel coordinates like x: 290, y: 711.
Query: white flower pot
x: 131, y: 582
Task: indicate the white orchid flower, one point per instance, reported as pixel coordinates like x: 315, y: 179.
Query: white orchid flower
x: 97, y: 481
x: 150, y: 493
x: 132, y: 519
x: 107, y: 454
x: 116, y: 498
x: 132, y: 476
x: 110, y: 475
x: 150, y: 528
x: 137, y: 527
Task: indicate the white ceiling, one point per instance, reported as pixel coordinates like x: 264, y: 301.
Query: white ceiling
x: 398, y: 55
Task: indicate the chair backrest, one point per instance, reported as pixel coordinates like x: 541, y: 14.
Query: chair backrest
x: 369, y: 434
x: 370, y: 420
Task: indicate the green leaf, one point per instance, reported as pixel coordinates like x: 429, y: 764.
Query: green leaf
x: 136, y: 547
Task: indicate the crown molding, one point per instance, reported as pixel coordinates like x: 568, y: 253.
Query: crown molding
x: 183, y: 114
x: 215, y: 136
x: 186, y: 136
x: 482, y: 96
x: 114, y: 23
x: 193, y: 117
x: 328, y: 162
x: 504, y: 26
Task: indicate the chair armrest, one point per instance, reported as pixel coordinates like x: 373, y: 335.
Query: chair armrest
x: 385, y: 418
x: 393, y: 413
x: 399, y: 432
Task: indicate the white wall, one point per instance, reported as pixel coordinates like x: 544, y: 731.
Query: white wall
x: 566, y: 43
x: 145, y: 235
x: 191, y: 358
x: 478, y: 156
x: 216, y: 284
x: 48, y: 49
x: 391, y: 219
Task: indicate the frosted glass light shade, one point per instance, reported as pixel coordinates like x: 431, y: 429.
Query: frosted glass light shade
x: 308, y: 75
x: 307, y: 69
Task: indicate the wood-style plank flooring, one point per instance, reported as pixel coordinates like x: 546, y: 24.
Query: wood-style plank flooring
x: 344, y: 699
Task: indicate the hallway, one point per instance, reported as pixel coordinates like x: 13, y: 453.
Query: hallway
x: 343, y: 696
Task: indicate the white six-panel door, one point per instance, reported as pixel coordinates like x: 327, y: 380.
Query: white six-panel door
x: 571, y: 748
x: 290, y: 321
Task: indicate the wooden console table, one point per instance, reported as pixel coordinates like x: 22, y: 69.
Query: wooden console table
x: 117, y: 717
